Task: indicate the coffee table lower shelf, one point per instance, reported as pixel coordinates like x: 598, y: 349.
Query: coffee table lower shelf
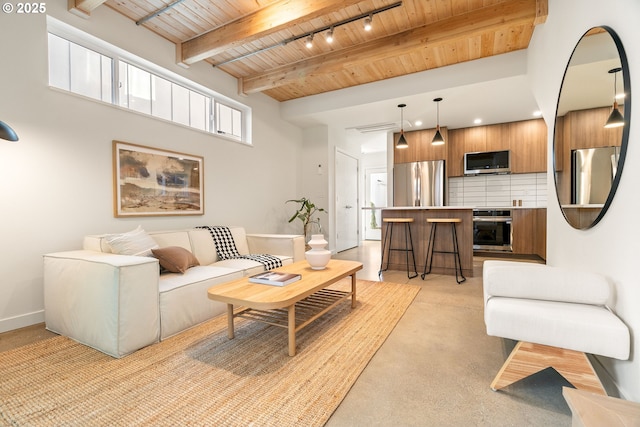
x: 298, y: 315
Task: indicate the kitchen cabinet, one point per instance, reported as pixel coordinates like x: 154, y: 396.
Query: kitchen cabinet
x: 409, y: 154
x: 455, y: 153
x: 529, y: 231
x: 577, y: 130
x: 420, y: 147
x: 497, y: 137
x: 528, y: 144
x: 527, y: 141
x: 586, y: 129
x: 475, y: 139
x: 464, y: 140
x: 428, y: 151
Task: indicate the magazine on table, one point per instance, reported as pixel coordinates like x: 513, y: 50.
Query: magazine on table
x: 275, y: 278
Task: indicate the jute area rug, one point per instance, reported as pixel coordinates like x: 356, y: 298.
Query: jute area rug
x: 202, y: 378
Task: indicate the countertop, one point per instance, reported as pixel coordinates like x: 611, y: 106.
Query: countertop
x: 460, y: 207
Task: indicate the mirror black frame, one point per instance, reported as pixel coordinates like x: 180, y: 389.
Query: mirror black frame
x: 625, y: 132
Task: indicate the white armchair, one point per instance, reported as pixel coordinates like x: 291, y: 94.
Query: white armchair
x: 556, y: 315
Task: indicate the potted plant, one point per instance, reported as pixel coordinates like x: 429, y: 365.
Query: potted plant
x: 305, y: 213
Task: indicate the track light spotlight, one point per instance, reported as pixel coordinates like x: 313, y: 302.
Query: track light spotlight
x: 329, y: 36
x: 367, y: 22
x: 309, y: 42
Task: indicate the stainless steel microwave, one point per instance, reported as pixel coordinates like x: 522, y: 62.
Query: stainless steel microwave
x: 487, y: 162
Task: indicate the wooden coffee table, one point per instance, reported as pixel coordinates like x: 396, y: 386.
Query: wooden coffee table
x: 276, y: 305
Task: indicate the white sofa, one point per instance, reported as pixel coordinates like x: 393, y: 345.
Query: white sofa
x: 120, y: 303
x: 556, y: 315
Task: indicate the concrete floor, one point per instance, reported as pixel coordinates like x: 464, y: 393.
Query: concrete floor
x: 436, y: 366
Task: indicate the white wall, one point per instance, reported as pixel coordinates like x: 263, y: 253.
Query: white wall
x: 56, y: 183
x: 315, y: 170
x: 611, y: 247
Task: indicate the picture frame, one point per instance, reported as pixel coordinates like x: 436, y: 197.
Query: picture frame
x: 149, y: 181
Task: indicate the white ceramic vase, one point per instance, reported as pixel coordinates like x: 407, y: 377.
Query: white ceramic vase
x: 318, y: 256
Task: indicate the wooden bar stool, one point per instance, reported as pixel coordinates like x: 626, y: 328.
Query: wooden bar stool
x: 428, y: 262
x: 408, y: 244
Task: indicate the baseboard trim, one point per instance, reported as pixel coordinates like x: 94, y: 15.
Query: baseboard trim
x: 22, y: 321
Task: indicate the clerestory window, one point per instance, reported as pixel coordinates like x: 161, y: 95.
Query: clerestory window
x: 81, y: 64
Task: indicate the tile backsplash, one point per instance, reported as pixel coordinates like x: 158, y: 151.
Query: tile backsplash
x: 499, y: 190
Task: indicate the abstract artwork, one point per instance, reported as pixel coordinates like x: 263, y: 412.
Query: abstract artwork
x: 152, y: 182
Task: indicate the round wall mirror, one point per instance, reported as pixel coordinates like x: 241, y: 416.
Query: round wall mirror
x: 592, y: 127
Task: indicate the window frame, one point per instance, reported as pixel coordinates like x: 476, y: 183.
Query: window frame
x: 118, y: 56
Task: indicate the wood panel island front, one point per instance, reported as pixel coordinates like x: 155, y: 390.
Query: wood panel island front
x: 443, y: 263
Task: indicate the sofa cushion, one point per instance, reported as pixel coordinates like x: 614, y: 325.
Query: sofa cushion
x: 135, y: 242
x: 175, y: 259
x: 202, y: 246
x: 199, y: 273
x: 183, y: 297
x: 240, y: 238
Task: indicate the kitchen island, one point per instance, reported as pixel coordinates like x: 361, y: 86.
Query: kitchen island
x: 442, y: 263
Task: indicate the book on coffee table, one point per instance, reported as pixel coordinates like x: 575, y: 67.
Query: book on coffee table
x: 274, y: 278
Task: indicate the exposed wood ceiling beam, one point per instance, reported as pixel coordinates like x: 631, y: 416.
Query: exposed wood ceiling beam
x: 445, y: 31
x: 542, y: 11
x: 266, y: 21
x: 83, y: 8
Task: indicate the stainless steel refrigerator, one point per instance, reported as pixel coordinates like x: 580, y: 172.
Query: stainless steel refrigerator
x: 593, y: 170
x: 419, y: 184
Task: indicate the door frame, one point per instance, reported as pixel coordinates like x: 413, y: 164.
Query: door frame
x: 335, y: 197
x: 366, y: 197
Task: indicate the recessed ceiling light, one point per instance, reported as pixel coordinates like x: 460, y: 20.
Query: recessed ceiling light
x: 537, y: 113
x: 477, y: 121
x: 418, y: 122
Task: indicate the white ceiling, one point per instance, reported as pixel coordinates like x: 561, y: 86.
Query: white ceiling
x: 494, y: 89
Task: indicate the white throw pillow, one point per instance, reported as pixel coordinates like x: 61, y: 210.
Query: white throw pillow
x: 135, y: 242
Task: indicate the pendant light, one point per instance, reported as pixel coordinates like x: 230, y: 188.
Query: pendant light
x: 402, y: 141
x: 437, y: 138
x: 7, y: 133
x: 615, y: 118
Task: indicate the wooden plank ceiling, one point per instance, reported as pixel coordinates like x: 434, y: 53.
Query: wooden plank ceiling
x: 252, y: 39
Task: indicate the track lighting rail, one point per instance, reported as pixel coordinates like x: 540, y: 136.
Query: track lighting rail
x: 310, y: 34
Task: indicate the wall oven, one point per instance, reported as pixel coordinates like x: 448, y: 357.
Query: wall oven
x: 492, y: 230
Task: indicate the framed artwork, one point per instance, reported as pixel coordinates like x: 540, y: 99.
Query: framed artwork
x: 152, y: 182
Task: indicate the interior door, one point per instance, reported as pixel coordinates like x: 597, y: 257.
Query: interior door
x: 346, y: 201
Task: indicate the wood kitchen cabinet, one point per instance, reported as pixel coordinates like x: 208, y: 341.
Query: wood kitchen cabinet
x: 409, y: 154
x: 455, y: 153
x: 528, y: 144
x: 498, y: 137
x: 586, y: 129
x: 475, y: 139
x: 428, y: 151
x: 578, y: 130
x: 464, y: 140
x: 529, y: 230
x: 420, y: 147
x: 527, y: 141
